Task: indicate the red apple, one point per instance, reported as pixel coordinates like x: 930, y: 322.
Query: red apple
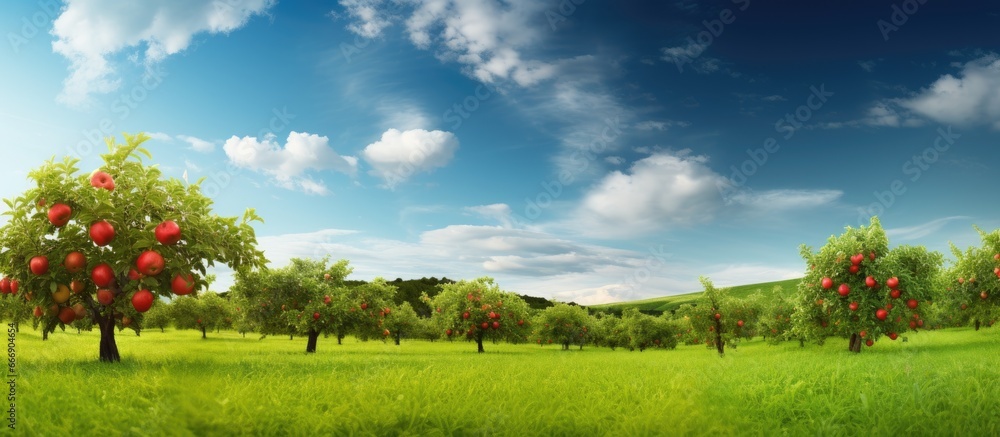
x: 37, y: 312
x: 67, y: 315
x: 893, y: 335
x: 59, y: 214
x: 75, y: 262
x: 100, y: 179
x: 385, y: 333
x: 844, y: 290
x: 105, y: 296
x: 870, y: 282
x: 142, y: 300
x: 387, y: 311
x: 77, y: 286
x: 327, y: 300
x: 520, y: 323
x: 912, y: 304
x: 149, y: 263
x: 485, y: 325
x: 856, y: 259
x: 853, y: 306
x: 892, y: 282
x: 182, y: 284
x: 168, y: 233
x: 888, y: 306
x: 134, y: 275
x: 448, y: 332
x: 80, y: 310
x: 961, y: 280
x: 881, y: 314
x: 315, y: 316
x: 871, y: 256
x: 997, y: 257
x: 493, y: 315
x: 964, y: 306
x: 895, y: 294
x: 364, y: 306
x: 869, y: 342
x: 827, y: 283
x: 5, y: 285
x: 101, y: 232
x: 39, y: 265
x: 465, y: 315
x: 984, y: 295
x: 13, y: 288
x: 864, y: 333
x: 102, y: 275
x: 739, y: 323
x: 718, y: 316
x: 496, y: 325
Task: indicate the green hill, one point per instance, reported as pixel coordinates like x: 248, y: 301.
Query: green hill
x: 659, y: 305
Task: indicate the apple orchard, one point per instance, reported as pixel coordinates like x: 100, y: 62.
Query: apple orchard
x: 122, y: 247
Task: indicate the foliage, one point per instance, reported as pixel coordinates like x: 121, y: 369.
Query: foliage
x: 140, y: 200
x: 563, y: 324
x: 402, y: 321
x: 972, y: 284
x: 205, y: 312
x: 480, y: 310
x: 158, y: 316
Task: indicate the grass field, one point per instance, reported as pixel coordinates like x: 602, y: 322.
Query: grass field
x: 670, y: 303
x: 174, y: 383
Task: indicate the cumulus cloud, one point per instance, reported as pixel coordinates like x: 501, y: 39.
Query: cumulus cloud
x: 89, y: 32
x: 370, y: 17
x: 197, y: 144
x: 288, y: 165
x: 400, y: 154
x: 970, y: 98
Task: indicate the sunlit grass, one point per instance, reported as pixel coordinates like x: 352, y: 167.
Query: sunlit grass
x: 174, y: 383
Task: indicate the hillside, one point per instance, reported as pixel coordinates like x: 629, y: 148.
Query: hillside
x: 659, y: 305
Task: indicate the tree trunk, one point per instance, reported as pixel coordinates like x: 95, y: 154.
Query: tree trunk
x: 311, y: 344
x: 581, y: 345
x: 340, y: 338
x: 977, y: 324
x: 566, y: 346
x: 398, y: 334
x: 719, y: 345
x: 45, y: 334
x: 802, y: 342
x: 203, y: 332
x: 162, y: 331
x: 855, y: 343
x: 291, y: 336
x: 479, y: 341
x: 109, y: 349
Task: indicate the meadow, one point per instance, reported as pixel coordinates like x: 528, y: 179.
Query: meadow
x: 174, y: 383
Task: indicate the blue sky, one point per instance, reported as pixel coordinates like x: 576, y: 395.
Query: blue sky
x: 577, y: 150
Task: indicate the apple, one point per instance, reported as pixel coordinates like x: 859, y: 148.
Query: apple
x: 385, y: 333
x: 149, y: 263
x: 739, y: 323
x: 102, y: 232
x: 59, y: 214
x: 856, y: 259
x: 827, y: 283
x: 75, y: 262
x: 37, y: 312
x: 869, y: 342
x: 819, y: 302
x: 871, y: 256
x: 387, y: 311
x: 469, y: 296
x: 13, y: 288
x: 199, y: 320
x: 102, y: 275
x: 315, y: 316
x: 920, y: 323
x: 142, y: 300
x: 494, y: 315
x: 496, y: 325
x: 961, y: 280
x: 520, y: 323
x: 997, y: 257
x: 893, y: 335
x: 853, y: 306
x: 448, y: 332
x: 182, y: 284
x: 485, y: 325
x: 881, y: 314
x: 912, y: 304
x: 105, y: 296
x: 100, y: 179
x: 844, y: 290
x: 864, y: 333
x: 465, y: 315
x: 870, y: 282
x: 39, y: 265
x: 80, y: 310
x: 895, y: 294
x: 327, y: 300
x: 892, y: 282
x: 134, y: 275
x: 61, y: 295
x: 718, y: 316
x: 364, y: 306
x: 167, y: 233
x: 854, y: 268
x: 126, y: 320
x: 67, y: 315
x: 984, y: 295
x: 888, y: 306
x: 5, y: 285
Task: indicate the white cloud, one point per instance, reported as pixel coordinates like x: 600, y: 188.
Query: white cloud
x: 400, y: 154
x: 971, y: 98
x: 500, y: 212
x: 288, y: 165
x: 89, y: 32
x: 883, y: 113
x: 682, y: 54
x: 922, y: 230
x: 867, y: 65
x: 197, y: 144
x: 370, y: 17
x: 159, y: 136
x: 786, y: 199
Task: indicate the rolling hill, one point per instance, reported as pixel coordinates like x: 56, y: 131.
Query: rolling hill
x: 659, y: 305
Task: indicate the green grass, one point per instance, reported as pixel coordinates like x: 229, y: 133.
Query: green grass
x: 174, y: 383
x: 670, y: 303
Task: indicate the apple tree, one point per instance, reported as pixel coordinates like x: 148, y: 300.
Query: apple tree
x: 563, y: 324
x: 205, y: 312
x: 645, y: 331
x: 101, y: 246
x: 481, y: 310
x: 157, y: 317
x: 309, y: 297
x: 608, y: 331
x: 401, y: 321
x: 775, y: 322
x: 972, y: 282
x: 857, y: 288
x: 717, y: 317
